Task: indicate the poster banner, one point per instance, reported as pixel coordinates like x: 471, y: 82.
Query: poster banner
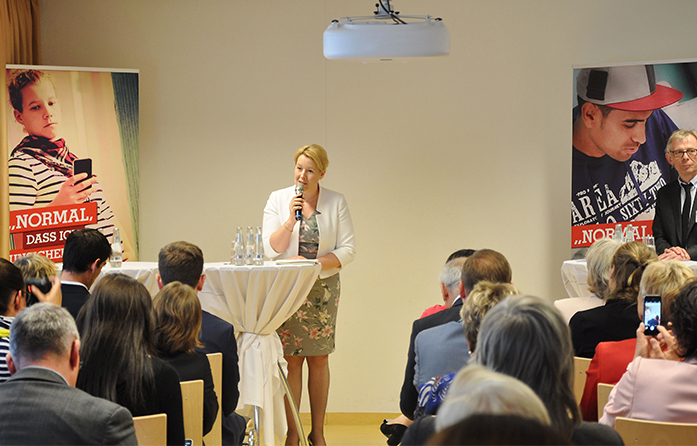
x: 61, y: 122
x: 622, y: 118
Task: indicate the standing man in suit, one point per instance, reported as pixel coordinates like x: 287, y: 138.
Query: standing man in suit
x: 40, y: 404
x: 183, y: 262
x: 85, y: 253
x: 674, y: 222
x: 484, y: 264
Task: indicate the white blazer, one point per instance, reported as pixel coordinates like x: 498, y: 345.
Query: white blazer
x: 333, y: 220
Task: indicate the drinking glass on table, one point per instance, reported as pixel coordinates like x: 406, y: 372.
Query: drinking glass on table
x: 650, y: 242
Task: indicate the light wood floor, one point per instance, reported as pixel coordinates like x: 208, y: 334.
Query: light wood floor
x: 352, y: 429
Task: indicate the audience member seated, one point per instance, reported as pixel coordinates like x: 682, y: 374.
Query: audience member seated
x: 617, y: 320
x: 177, y: 314
x: 483, y: 297
x: 85, y: 253
x: 527, y: 338
x: 477, y: 390
x: 498, y: 430
x: 119, y: 362
x: 183, y: 262
x: 611, y: 359
x: 658, y: 386
x: 462, y: 253
x: 598, y: 264
x: 12, y: 301
x: 37, y: 271
x: 39, y: 403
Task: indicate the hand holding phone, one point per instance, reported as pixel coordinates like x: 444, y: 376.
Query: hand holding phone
x: 652, y: 314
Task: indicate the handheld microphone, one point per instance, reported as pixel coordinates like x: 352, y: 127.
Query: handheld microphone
x: 299, y: 189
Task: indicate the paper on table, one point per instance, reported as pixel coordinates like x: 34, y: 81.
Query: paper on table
x: 296, y: 262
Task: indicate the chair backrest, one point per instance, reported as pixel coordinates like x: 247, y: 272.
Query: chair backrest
x: 215, y: 436
x: 603, y: 395
x: 192, y: 406
x: 642, y: 432
x: 151, y: 430
x: 580, y: 367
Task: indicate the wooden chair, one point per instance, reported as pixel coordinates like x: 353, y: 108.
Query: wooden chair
x: 215, y: 436
x: 192, y: 406
x: 151, y: 430
x: 580, y: 367
x: 603, y: 395
x: 642, y: 432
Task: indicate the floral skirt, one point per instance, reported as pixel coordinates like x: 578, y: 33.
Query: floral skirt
x: 310, y: 331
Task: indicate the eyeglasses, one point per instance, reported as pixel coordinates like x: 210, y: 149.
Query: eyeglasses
x: 692, y: 153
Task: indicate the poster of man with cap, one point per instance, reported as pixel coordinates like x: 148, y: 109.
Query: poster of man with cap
x: 622, y: 119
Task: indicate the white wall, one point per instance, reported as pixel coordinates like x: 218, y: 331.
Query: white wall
x: 467, y: 151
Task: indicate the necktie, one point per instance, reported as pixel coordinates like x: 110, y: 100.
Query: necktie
x: 686, y: 207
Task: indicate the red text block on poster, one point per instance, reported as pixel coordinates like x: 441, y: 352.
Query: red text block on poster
x: 584, y: 236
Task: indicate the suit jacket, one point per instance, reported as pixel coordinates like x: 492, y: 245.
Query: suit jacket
x: 655, y: 390
x: 439, y: 351
x: 39, y: 407
x: 333, y: 220
x: 608, y: 365
x: 218, y: 336
x: 74, y: 297
x: 409, y: 395
x: 667, y: 222
x: 617, y: 320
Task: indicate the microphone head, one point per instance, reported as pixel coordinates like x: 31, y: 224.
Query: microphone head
x: 299, y: 188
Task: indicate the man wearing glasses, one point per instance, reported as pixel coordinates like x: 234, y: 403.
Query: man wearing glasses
x: 673, y: 224
x: 619, y: 135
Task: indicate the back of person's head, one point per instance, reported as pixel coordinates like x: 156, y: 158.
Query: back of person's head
x: 82, y: 248
x: 528, y: 339
x: 477, y: 390
x: 486, y: 429
x: 628, y: 265
x: 39, y: 331
x: 483, y: 297
x: 665, y: 279
x: 451, y: 274
x: 599, y: 263
x: 684, y: 317
x: 460, y: 253
x: 36, y: 270
x: 11, y: 282
x: 177, y: 314
x: 181, y: 262
x: 117, y: 339
x: 485, y: 264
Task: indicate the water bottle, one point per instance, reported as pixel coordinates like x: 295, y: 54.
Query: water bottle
x: 630, y: 234
x: 116, y: 250
x: 238, y: 257
x: 618, y: 233
x: 258, y: 248
x: 249, y: 252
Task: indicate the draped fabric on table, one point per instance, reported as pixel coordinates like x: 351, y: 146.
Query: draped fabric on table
x: 257, y: 300
x: 21, y: 44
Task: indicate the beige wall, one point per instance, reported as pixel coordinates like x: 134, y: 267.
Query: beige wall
x: 468, y: 151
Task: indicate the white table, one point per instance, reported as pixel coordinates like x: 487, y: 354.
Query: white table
x: 257, y: 300
x: 143, y: 272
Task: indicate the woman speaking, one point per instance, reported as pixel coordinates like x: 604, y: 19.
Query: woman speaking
x: 313, y: 224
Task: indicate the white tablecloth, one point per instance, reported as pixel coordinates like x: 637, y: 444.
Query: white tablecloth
x: 143, y: 272
x: 257, y: 300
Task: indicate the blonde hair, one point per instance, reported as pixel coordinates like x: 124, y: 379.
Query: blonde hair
x: 665, y: 279
x: 482, y: 299
x: 36, y: 265
x: 316, y: 153
x: 599, y: 261
x: 629, y: 263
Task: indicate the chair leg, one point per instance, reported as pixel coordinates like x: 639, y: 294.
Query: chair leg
x: 293, y: 406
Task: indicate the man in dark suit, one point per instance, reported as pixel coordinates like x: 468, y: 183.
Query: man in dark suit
x: 674, y: 222
x: 183, y: 262
x: 85, y: 253
x: 40, y: 404
x: 484, y: 264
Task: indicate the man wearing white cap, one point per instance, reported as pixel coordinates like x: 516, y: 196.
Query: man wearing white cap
x: 619, y: 138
